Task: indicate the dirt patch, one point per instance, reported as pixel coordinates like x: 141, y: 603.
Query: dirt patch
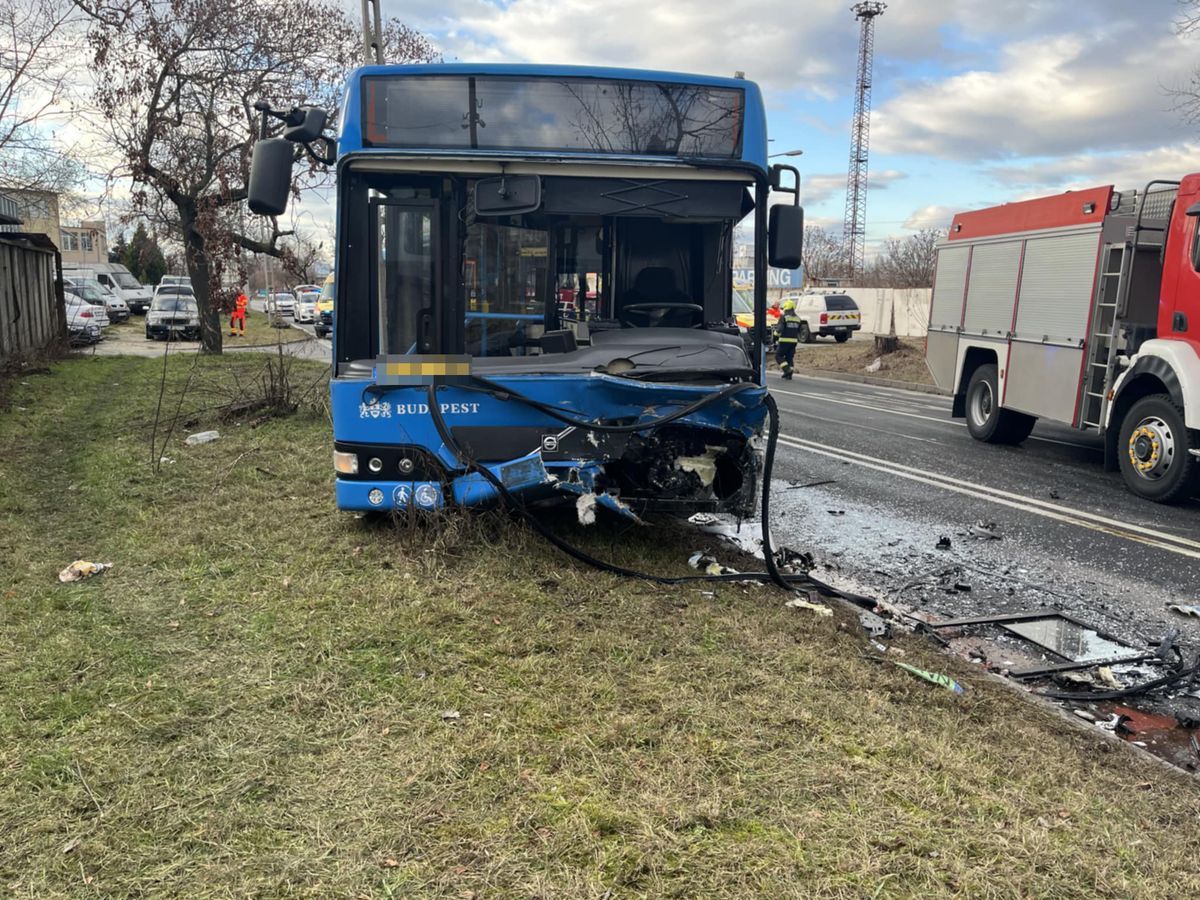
x: 906, y: 364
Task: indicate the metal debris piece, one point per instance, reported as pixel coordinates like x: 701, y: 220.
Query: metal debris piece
x: 836, y: 512
x: 934, y: 678
x: 874, y: 625
x: 81, y: 569
x: 1186, y: 609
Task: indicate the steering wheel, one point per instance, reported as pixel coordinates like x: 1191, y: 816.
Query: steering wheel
x: 661, y: 315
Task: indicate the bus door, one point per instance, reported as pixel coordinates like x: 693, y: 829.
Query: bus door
x: 405, y: 276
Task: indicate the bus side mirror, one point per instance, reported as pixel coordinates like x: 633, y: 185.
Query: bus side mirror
x: 785, y: 236
x: 311, y: 124
x: 270, y: 176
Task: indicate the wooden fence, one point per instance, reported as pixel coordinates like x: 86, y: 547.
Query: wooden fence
x: 31, y: 305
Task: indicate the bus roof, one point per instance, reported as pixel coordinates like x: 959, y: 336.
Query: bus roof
x: 752, y: 150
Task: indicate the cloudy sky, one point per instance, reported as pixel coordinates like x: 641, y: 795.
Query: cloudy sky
x: 975, y: 101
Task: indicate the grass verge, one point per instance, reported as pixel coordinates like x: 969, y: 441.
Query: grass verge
x: 264, y: 697
x: 906, y: 364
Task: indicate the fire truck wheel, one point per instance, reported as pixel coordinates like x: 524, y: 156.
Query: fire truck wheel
x: 986, y: 421
x: 1153, y: 451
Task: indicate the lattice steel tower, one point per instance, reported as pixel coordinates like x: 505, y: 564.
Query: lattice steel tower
x: 854, y: 229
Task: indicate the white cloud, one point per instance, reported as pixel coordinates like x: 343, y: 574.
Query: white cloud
x: 933, y: 216
x: 1076, y: 171
x: 1050, y: 95
x: 816, y: 189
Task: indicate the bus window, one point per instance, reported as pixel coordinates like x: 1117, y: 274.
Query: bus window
x: 505, y: 268
x: 404, y: 275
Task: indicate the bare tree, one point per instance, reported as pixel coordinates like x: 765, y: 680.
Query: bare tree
x: 34, y: 80
x: 907, y: 262
x: 302, y: 255
x: 823, y: 255
x: 1187, y: 97
x: 176, y: 82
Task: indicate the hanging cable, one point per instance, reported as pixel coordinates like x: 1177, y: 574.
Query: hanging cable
x: 788, y: 582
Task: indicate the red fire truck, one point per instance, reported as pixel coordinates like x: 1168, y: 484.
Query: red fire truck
x: 1083, y: 308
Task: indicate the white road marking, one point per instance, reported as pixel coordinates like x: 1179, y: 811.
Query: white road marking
x: 907, y: 437
x: 1116, y: 527
x: 913, y: 415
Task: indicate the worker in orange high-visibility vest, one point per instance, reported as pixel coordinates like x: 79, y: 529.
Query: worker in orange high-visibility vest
x: 238, y: 316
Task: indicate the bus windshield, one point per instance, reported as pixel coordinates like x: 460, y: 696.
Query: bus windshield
x: 564, y: 114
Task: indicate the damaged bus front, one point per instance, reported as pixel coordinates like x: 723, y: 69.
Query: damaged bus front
x: 533, y: 286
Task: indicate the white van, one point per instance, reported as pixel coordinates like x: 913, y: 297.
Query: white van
x: 116, y: 278
x: 826, y: 314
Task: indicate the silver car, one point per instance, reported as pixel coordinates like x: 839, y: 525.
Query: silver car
x: 173, y: 313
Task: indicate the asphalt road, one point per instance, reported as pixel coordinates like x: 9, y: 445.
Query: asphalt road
x: 904, y: 474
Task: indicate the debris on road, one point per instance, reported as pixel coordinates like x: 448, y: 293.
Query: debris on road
x: 985, y: 530
x: 1185, y: 609
x: 202, y: 437
x: 934, y: 678
x: 795, y: 485
x: 943, y: 543
x: 81, y: 569
x: 1108, y: 679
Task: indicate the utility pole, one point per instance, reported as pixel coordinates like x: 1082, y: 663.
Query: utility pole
x: 854, y: 229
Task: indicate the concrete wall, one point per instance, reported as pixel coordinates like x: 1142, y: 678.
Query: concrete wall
x: 31, y: 310
x: 912, y: 308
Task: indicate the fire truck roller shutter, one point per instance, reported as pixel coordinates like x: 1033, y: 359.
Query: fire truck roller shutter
x: 1053, y: 309
x: 992, y: 292
x: 945, y: 313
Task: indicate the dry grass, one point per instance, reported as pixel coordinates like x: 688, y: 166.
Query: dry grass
x: 906, y: 364
x: 252, y: 703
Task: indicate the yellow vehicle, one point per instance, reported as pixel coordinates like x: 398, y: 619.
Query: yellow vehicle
x: 743, y: 310
x: 323, y: 323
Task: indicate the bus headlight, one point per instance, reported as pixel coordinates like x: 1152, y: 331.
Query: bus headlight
x: 345, y: 463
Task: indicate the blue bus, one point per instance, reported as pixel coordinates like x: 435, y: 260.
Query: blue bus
x: 533, y: 284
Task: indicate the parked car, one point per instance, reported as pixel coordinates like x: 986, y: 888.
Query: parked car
x: 175, y: 284
x: 95, y: 293
x: 283, y: 303
x: 82, y: 325
x: 306, y: 301
x: 99, y: 313
x: 173, y: 313
x: 116, y: 279
x: 826, y: 314
x: 323, y: 325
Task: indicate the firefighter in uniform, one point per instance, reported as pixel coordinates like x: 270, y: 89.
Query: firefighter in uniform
x: 789, y: 334
x: 238, y: 316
